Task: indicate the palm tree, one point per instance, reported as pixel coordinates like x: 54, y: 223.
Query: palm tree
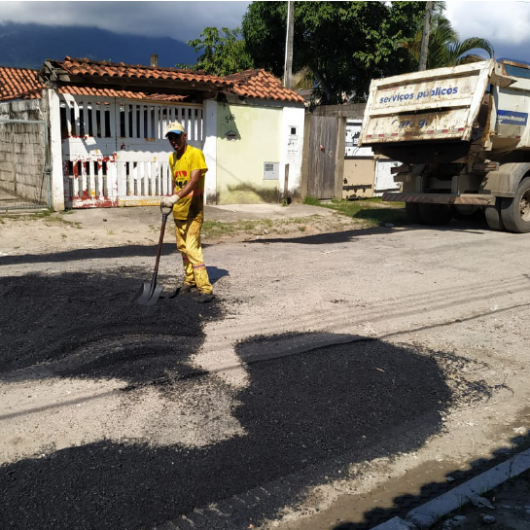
x: 445, y: 48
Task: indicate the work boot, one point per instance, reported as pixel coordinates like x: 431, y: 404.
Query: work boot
x: 183, y: 289
x: 204, y: 298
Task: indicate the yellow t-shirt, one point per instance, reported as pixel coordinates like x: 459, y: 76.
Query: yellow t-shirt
x: 192, y: 204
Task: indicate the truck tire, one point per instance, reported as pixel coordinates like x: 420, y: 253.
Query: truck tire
x: 493, y: 216
x: 413, y: 213
x: 465, y: 212
x: 435, y: 214
x: 515, y: 212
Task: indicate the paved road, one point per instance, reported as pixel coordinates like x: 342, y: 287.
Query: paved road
x: 326, y: 364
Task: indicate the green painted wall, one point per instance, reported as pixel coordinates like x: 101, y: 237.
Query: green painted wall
x: 257, y: 133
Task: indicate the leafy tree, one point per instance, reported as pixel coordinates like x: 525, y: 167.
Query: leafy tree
x: 222, y: 53
x: 340, y: 45
x: 445, y: 47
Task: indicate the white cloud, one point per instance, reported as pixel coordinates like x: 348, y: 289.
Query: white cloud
x: 179, y: 20
x: 500, y: 22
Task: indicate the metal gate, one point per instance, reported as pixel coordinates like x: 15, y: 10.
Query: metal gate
x: 323, y: 132
x: 24, y: 172
x: 115, y: 152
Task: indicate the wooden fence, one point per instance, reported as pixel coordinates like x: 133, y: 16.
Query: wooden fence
x: 323, y: 162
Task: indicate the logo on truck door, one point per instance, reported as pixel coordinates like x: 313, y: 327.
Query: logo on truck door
x: 434, y: 92
x: 402, y: 124
x: 510, y: 117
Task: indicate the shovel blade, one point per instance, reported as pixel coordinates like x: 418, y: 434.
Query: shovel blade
x: 148, y: 294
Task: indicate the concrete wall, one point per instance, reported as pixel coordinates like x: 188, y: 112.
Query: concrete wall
x: 247, y: 138
x: 22, y: 153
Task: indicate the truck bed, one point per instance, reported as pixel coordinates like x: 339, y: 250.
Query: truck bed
x: 438, y: 105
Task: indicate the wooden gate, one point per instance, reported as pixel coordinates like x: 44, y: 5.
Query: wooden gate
x: 115, y: 152
x: 323, y: 135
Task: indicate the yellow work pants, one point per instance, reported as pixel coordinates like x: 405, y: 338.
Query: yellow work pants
x: 188, y: 234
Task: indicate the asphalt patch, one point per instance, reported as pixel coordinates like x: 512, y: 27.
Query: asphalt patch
x: 305, y: 417
x: 88, y: 326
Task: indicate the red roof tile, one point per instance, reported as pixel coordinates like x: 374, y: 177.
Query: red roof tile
x: 19, y: 83
x: 263, y: 85
x: 89, y: 68
x: 77, y: 90
x: 251, y: 83
x: 23, y: 83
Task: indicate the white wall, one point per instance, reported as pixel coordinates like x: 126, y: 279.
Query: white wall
x: 51, y: 103
x: 210, y: 150
x: 292, y: 146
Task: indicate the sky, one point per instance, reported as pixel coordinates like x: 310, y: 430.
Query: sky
x: 179, y: 20
x: 504, y: 23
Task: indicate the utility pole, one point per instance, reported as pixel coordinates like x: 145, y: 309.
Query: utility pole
x: 425, y: 39
x: 288, y: 68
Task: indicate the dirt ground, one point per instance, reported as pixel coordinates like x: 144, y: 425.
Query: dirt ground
x: 336, y: 379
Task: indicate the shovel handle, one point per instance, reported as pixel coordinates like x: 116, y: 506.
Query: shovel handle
x: 161, y: 240
x: 165, y: 215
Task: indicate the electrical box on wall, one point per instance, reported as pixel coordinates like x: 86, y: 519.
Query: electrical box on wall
x: 271, y: 170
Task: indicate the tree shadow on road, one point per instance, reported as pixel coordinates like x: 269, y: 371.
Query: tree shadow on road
x: 103, y: 253
x: 304, y: 417
x: 344, y: 236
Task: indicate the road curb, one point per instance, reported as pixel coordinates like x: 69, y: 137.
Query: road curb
x: 431, y: 512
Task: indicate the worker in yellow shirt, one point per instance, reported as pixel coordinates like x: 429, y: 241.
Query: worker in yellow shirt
x: 188, y: 168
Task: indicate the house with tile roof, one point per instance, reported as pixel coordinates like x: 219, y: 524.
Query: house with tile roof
x: 106, y: 124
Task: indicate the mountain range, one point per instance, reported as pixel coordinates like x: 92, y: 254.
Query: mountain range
x: 29, y: 45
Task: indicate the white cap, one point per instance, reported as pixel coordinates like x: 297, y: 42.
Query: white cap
x: 175, y: 128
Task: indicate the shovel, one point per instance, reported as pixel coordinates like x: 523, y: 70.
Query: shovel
x: 149, y: 293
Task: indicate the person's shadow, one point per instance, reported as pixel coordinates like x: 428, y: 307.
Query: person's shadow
x: 215, y: 273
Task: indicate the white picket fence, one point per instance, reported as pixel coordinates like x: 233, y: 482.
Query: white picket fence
x: 115, y: 152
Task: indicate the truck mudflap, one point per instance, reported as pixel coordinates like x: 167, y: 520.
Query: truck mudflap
x: 441, y: 198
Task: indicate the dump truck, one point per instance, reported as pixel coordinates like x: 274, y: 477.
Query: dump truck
x: 462, y: 137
